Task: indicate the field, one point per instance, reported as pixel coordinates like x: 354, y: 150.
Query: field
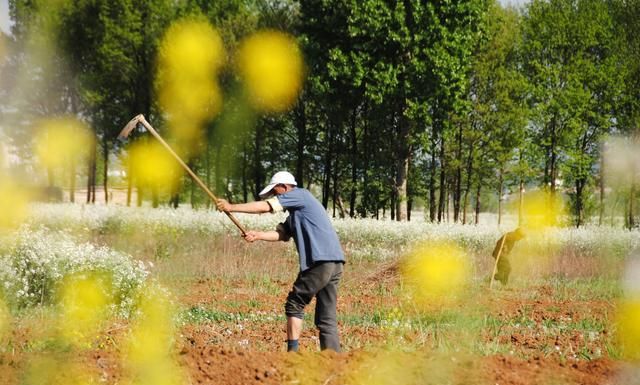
x: 555, y: 323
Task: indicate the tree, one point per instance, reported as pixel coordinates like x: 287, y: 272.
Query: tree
x: 113, y: 45
x: 570, y: 57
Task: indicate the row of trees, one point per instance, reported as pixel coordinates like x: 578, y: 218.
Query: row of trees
x: 405, y: 103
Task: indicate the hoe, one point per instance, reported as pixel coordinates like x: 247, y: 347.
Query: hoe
x: 133, y: 123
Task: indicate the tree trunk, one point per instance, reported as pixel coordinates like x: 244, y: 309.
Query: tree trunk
x: 554, y: 157
x: 477, y: 219
x: 328, y: 170
x: 341, y: 211
x: 91, y: 172
x: 432, y: 182
x: 601, y: 184
x: 366, y: 195
x: 334, y: 194
x: 175, y: 199
x: 457, y: 183
x: 129, y: 183
x: 393, y: 205
x: 401, y: 189
x: 72, y: 182
x: 465, y: 202
x: 245, y: 184
x: 443, y: 188
x: 354, y: 165
x: 301, y: 128
x: 105, y: 173
x: 580, y: 183
x: 155, y: 197
x: 258, y: 172
x: 520, y: 202
x: 500, y: 187
x: 403, y: 158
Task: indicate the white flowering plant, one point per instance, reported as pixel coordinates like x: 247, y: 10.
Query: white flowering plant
x: 34, y: 262
x: 370, y: 239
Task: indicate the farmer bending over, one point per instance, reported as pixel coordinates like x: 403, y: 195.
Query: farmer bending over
x: 321, y: 257
x: 503, y: 248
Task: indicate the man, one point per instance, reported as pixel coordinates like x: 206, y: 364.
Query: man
x: 321, y: 257
x: 501, y: 251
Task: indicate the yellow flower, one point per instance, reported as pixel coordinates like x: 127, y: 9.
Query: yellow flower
x: 84, y: 300
x: 271, y: 66
x: 628, y: 322
x: 60, y: 142
x: 13, y: 203
x: 190, y: 56
x: 541, y: 210
x: 152, y: 332
x: 153, y: 166
x: 436, y: 271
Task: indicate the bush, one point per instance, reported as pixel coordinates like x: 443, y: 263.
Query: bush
x: 35, y: 262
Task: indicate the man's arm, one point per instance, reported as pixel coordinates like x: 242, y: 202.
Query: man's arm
x: 257, y: 207
x: 270, y: 236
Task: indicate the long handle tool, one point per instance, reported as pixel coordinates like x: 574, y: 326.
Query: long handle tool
x: 140, y: 119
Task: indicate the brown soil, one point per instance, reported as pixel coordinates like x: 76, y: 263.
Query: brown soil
x: 250, y: 351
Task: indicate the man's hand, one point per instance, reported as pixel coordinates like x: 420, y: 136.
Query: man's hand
x: 251, y: 236
x: 223, y: 205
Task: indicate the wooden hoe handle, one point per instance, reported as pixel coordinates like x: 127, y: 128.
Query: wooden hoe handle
x: 140, y: 119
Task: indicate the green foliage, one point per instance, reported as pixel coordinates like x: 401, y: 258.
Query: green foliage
x: 403, y: 102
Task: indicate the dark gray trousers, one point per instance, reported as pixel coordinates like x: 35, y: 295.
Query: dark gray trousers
x: 320, y: 281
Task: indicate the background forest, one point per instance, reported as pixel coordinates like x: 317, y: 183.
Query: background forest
x: 448, y: 107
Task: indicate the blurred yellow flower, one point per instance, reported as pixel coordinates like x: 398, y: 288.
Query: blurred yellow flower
x: 50, y: 370
x: 436, y: 271
x: 386, y: 367
x: 153, y: 166
x: 164, y: 371
x: 152, y: 332
x: 83, y: 299
x: 60, y: 142
x: 271, y: 66
x: 541, y: 210
x: 190, y: 56
x: 13, y: 203
x: 628, y: 322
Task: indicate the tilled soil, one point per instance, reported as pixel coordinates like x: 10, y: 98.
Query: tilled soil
x: 251, y: 351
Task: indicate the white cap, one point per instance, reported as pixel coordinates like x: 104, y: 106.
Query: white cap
x: 281, y: 177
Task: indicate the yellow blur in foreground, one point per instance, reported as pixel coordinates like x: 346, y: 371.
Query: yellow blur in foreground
x: 436, y: 271
x: 13, y: 203
x: 148, y: 351
x: 271, y: 66
x: 628, y: 322
x: 540, y: 210
x: 190, y: 56
x: 57, y: 371
x: 165, y: 371
x: 153, y: 166
x: 60, y: 142
x: 83, y: 299
x: 384, y: 367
